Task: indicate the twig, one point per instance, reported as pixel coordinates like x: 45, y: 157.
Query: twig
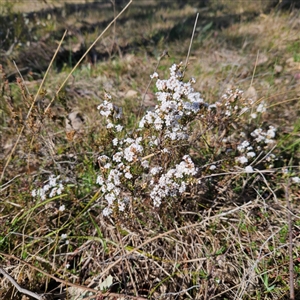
x: 97, y: 293
x: 19, y: 288
x: 180, y: 292
x: 7, y: 184
x: 49, y: 275
x: 127, y: 264
x: 254, y: 70
x: 291, y: 265
x: 191, y: 42
x: 19, y: 72
x: 245, y: 281
x: 174, y: 230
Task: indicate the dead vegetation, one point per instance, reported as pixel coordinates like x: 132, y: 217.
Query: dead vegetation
x: 225, y: 239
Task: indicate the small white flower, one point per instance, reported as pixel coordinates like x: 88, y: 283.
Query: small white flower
x: 53, y: 192
x: 42, y: 195
x: 52, y: 180
x: 249, y: 169
x: 60, y: 189
x: 155, y: 170
x: 106, y: 211
x: 145, y: 164
x: 261, y: 108
x: 105, y: 113
x: 47, y: 187
x: 64, y: 236
x: 107, y: 166
x: 119, y: 128
x: 271, y: 132
x: 242, y: 159
x: 241, y: 147
x: 122, y: 204
x: 154, y: 75
x: 296, y: 179
x: 33, y: 193
x: 182, y: 188
x: 115, y: 141
x: 128, y: 175
x: 228, y: 113
x: 62, y: 208
x: 110, y: 198
x: 251, y: 154
x: 212, y: 167
x: 110, y: 186
x: 117, y: 156
x: 100, y: 180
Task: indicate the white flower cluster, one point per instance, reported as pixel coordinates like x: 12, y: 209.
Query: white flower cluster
x: 229, y: 110
x: 135, y: 160
x: 229, y: 104
x: 52, y: 188
x: 247, y: 152
x: 261, y: 108
x: 119, y: 170
x: 260, y: 136
x: 64, y: 237
x: 266, y: 137
x: 168, y: 184
x: 176, y: 101
x: 108, y: 110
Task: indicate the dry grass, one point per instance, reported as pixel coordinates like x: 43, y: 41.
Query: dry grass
x: 228, y: 239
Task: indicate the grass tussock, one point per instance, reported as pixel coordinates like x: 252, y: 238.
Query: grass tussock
x: 133, y: 177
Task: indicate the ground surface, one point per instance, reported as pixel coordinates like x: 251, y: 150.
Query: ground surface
x: 224, y: 242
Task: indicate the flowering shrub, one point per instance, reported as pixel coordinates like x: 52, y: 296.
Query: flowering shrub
x: 154, y: 161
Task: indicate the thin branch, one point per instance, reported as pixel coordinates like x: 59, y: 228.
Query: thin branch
x: 180, y: 292
x: 191, y: 42
x: 19, y: 288
x: 18, y: 71
x: 66, y: 283
x: 175, y: 230
x: 254, y: 70
x: 127, y: 264
x: 49, y: 275
x: 291, y: 264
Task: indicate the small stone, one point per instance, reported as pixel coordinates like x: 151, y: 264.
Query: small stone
x: 131, y: 94
x: 278, y: 69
